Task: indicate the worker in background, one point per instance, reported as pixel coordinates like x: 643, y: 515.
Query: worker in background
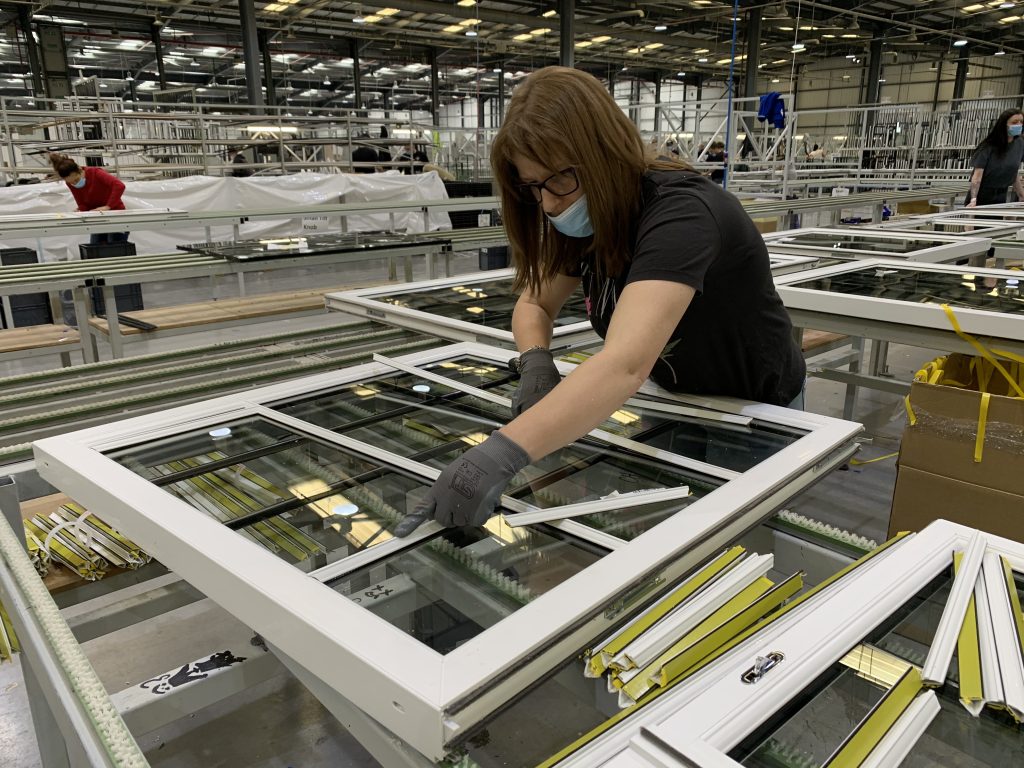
x: 367, y: 159
x: 413, y: 158
x: 997, y: 160
x: 238, y: 163
x: 94, y: 190
x: 676, y: 278
x: 716, y: 152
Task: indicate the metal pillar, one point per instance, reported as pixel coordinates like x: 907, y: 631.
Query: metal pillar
x: 938, y: 85
x: 25, y: 22
x: 611, y: 82
x: 435, y: 100
x: 357, y: 78
x: 634, y: 101
x: 657, y: 102
x: 874, y: 69
x: 158, y: 53
x: 250, y: 52
x: 501, y: 95
x: 753, y: 52
x: 481, y: 100
x: 566, y: 32
x: 268, y: 66
x: 960, y: 81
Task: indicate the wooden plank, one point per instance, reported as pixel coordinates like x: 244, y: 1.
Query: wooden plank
x: 815, y: 339
x: 36, y: 337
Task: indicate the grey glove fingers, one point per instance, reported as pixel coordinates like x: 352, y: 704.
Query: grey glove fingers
x: 413, y: 520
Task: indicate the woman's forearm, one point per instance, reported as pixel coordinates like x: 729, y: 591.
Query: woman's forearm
x: 584, y: 399
x: 531, y: 326
x: 976, y: 183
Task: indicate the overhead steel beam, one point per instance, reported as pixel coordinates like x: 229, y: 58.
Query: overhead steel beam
x: 536, y: 22
x: 566, y: 32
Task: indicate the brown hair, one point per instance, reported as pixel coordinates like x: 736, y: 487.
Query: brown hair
x: 63, y: 165
x: 561, y: 117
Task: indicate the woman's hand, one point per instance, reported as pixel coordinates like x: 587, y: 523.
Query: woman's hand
x: 468, y: 490
x: 537, y: 376
x: 102, y: 208
x: 972, y: 203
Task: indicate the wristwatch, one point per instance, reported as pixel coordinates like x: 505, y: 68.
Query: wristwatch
x: 515, y: 364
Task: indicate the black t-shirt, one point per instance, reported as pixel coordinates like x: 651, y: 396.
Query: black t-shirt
x: 735, y: 338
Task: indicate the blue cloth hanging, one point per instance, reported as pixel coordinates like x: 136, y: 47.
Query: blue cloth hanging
x: 773, y: 109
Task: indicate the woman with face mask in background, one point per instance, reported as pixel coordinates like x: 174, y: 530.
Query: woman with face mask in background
x: 93, y: 189
x: 676, y: 278
x: 996, y: 162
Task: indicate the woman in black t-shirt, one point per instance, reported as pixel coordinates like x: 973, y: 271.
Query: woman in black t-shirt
x: 676, y: 278
x: 996, y: 162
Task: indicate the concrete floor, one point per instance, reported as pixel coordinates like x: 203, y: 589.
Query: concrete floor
x: 279, y: 723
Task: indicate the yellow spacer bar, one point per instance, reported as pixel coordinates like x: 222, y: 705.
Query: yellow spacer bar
x: 599, y: 660
x: 694, y: 642
x: 968, y: 652
x: 877, y: 723
x: 625, y: 713
x: 982, y: 350
x: 1018, y: 616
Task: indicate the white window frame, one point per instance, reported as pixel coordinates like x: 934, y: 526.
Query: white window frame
x: 365, y: 303
x: 425, y: 698
x: 784, y: 263
x: 866, y: 313
x: 705, y: 717
x: 993, y: 228
x: 953, y: 248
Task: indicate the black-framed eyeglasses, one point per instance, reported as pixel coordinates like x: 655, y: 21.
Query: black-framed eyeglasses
x: 560, y: 184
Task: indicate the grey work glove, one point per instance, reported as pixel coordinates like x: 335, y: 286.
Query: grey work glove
x: 537, y: 376
x: 468, y: 490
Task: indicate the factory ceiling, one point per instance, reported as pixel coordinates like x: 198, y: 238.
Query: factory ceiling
x: 313, y: 43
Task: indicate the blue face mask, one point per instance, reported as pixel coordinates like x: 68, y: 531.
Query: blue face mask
x: 1015, y: 130
x: 80, y: 183
x: 574, y: 221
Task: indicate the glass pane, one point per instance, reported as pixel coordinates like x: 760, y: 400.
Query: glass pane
x: 813, y: 733
x: 307, y: 502
x: 434, y: 427
x: 922, y: 286
x: 489, y: 303
x: 276, y: 247
x: 449, y: 589
x: 837, y: 241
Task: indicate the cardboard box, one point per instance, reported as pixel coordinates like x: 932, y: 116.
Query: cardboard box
x: 938, y: 477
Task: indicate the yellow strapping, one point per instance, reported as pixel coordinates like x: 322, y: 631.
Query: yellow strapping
x: 8, y: 640
x: 911, y: 416
x: 1008, y: 355
x: 877, y: 723
x: 624, y: 713
x: 982, y: 350
x: 599, y: 659
x: 979, y: 441
x: 858, y: 462
x: 968, y: 652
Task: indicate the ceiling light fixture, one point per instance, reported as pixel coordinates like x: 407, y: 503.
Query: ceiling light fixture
x: 1000, y: 52
x: 959, y: 43
x: 660, y: 28
x: 471, y: 33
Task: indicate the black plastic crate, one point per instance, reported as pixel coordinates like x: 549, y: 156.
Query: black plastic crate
x: 30, y: 308
x: 469, y: 219
x: 495, y: 257
x: 128, y: 297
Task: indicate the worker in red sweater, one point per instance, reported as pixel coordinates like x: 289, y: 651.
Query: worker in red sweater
x: 94, y: 190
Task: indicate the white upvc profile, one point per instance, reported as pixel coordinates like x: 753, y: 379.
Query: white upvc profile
x: 930, y: 246
x: 425, y: 698
x: 366, y: 302
x: 811, y: 304
x: 700, y: 721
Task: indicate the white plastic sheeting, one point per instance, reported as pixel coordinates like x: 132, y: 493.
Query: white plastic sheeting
x: 214, y: 193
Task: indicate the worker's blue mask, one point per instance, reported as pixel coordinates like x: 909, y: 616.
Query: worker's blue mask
x: 574, y: 221
x: 80, y: 183
x: 1015, y: 129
